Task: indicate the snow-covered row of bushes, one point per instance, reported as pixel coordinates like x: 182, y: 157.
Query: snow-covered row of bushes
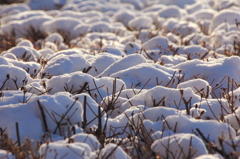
x: 120, y: 79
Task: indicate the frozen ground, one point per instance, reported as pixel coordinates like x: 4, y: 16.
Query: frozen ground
x: 120, y: 79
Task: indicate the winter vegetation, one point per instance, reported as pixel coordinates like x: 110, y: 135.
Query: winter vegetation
x: 119, y: 79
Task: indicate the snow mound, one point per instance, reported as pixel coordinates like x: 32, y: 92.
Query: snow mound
x: 158, y: 43
x: 198, y: 86
x: 224, y: 16
x: 113, y: 151
x: 133, y: 76
x: 24, y: 53
x: 89, y: 139
x: 61, y: 24
x: 100, y: 63
x: 180, y: 3
x: 123, y: 16
x: 65, y: 64
x: 91, y: 109
x: 215, y: 109
x: 175, y: 145
x: 14, y: 9
x: 76, y: 81
x: 65, y: 111
x: 152, y: 98
x: 124, y: 63
x: 60, y: 150
x: 6, y: 155
x: 233, y: 119
x: 171, y: 60
x: 12, y: 73
x: 172, y: 11
x: 139, y: 23
x: 22, y: 16
x: 181, y: 28
x: 208, y: 70
x: 27, y: 27
x: 189, y: 125
x: 20, y: 117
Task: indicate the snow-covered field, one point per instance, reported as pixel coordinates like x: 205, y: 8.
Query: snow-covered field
x: 120, y: 79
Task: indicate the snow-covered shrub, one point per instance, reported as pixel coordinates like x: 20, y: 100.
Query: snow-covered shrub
x: 113, y: 151
x: 173, y: 146
x: 72, y: 150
